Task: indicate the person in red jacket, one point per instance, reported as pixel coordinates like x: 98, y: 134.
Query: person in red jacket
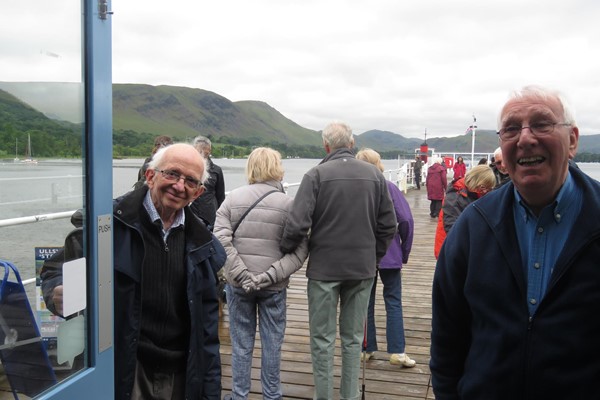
x: 436, y: 186
x: 463, y: 191
x: 460, y: 169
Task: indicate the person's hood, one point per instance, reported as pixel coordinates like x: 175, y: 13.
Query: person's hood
x: 436, y: 167
x: 459, y: 184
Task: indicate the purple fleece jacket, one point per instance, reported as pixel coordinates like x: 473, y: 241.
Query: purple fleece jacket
x: 399, y: 249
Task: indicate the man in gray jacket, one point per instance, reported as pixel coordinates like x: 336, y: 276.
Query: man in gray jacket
x: 345, y: 204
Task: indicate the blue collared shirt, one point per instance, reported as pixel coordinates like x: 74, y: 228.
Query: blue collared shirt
x: 541, y: 239
x: 154, y: 216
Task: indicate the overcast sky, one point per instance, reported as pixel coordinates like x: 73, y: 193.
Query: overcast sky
x: 401, y: 66
x: 396, y: 65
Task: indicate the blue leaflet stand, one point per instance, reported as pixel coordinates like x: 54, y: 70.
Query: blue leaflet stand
x: 22, y: 352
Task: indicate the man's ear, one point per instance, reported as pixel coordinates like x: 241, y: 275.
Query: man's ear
x: 150, y: 174
x: 573, y: 141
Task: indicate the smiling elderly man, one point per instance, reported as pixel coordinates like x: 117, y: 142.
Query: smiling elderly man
x: 166, y: 306
x: 516, y: 291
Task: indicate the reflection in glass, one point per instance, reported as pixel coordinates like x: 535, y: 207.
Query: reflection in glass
x: 42, y: 185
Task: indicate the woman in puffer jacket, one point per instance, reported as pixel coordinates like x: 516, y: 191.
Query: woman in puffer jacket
x: 249, y: 225
x: 462, y: 192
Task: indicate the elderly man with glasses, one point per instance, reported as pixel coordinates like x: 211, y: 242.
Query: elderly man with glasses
x: 165, y: 274
x: 516, y: 291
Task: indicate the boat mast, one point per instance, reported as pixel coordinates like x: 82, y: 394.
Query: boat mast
x: 473, y: 129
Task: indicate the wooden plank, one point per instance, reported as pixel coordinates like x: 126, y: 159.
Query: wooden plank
x: 382, y: 380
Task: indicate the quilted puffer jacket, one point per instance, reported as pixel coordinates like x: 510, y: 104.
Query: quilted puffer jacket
x: 255, y: 244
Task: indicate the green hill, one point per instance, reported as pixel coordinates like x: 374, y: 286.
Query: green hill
x: 589, y: 144
x: 49, y: 138
x: 385, y: 140
x: 486, y: 141
x: 184, y: 113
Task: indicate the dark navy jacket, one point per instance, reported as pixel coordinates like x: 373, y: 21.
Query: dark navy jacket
x: 205, y: 207
x: 483, y: 343
x: 204, y: 257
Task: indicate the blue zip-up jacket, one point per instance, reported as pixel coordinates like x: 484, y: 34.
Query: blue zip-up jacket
x: 483, y: 343
x: 204, y: 257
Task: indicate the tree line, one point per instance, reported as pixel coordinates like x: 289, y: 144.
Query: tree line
x: 51, y: 139
x: 54, y: 140
x: 131, y: 144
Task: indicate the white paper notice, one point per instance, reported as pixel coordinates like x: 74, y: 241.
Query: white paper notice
x: 74, y: 286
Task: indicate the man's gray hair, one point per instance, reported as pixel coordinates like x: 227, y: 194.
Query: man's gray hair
x: 543, y: 94
x: 338, y: 135
x: 201, y: 142
x: 497, y: 152
x: 157, y: 160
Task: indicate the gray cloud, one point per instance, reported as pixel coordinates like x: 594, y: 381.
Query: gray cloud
x: 393, y: 65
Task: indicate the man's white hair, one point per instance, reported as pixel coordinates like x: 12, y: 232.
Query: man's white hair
x: 544, y: 94
x: 338, y: 135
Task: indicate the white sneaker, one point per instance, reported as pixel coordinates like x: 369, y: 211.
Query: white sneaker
x: 366, y: 354
x: 403, y: 360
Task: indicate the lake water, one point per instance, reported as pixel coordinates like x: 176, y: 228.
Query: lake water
x: 56, y: 186
x: 125, y: 172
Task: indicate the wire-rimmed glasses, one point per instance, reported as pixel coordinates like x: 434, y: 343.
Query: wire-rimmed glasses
x: 174, y: 176
x: 539, y: 129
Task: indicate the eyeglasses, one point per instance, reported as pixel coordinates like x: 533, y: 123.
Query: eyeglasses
x: 174, y: 176
x: 539, y: 129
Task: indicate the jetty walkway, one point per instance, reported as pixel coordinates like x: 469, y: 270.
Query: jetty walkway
x: 382, y: 380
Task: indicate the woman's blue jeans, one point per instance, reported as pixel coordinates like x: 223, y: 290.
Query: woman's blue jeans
x: 392, y: 296
x: 243, y: 309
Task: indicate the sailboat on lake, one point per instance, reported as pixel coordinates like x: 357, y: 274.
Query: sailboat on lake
x: 28, y: 153
x: 16, y: 159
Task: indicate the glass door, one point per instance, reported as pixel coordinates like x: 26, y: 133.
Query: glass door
x: 55, y: 226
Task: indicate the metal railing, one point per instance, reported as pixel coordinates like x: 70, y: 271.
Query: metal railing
x: 36, y: 218
x: 401, y: 179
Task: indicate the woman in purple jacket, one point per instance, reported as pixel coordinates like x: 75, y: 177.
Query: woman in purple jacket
x: 389, y: 271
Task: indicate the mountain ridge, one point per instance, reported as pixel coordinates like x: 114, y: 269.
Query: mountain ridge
x: 184, y: 113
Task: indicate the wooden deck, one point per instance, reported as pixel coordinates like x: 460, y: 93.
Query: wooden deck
x: 383, y: 381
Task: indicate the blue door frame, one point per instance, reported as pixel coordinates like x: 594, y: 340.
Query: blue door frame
x: 96, y: 381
